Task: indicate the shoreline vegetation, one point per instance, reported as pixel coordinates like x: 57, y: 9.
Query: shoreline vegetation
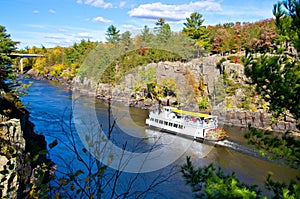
x: 232, y: 116
x: 253, y: 67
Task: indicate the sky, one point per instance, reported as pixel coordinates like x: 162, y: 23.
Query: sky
x: 51, y: 23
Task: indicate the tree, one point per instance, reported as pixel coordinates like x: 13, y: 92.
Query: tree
x: 163, y: 31
x: 146, y: 36
x: 113, y: 34
x: 126, y: 39
x: 160, y: 22
x: 287, y: 21
x: 164, y: 34
x: 194, y: 29
x: 7, y: 46
x: 194, y: 25
x: 277, y: 79
x: 208, y: 182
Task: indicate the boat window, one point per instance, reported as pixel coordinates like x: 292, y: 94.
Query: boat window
x: 166, y: 123
x: 156, y: 120
x: 170, y: 124
x: 160, y: 121
x: 152, y: 119
x: 180, y: 126
x: 176, y: 125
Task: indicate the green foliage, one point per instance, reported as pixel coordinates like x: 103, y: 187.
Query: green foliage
x: 203, y: 103
x: 287, y: 21
x: 132, y: 59
x: 285, y: 148
x: 60, y: 61
x: 277, y: 80
x: 230, y: 85
x: 283, y: 190
x: 209, y: 182
x: 112, y: 34
x: 196, y: 31
x: 166, y: 86
x: 146, y: 36
x: 147, y: 79
x: 219, y: 63
x: 7, y: 46
x: 193, y: 26
x: 164, y: 34
x: 126, y: 40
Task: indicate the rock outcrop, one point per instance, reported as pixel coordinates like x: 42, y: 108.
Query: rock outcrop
x: 258, y: 119
x: 20, y: 150
x: 199, y: 75
x: 12, y: 148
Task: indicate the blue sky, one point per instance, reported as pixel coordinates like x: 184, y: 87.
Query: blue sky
x: 63, y: 22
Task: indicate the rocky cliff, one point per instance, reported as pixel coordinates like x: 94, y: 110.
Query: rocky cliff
x: 19, y: 151
x: 258, y: 119
x: 220, y: 78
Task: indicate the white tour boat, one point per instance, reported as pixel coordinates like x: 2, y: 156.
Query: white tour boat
x: 186, y: 123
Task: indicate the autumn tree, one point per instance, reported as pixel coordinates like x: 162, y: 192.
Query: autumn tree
x: 277, y: 79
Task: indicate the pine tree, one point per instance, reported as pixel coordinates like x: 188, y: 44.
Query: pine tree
x: 113, y: 34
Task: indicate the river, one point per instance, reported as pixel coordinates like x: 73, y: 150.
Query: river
x: 50, y: 107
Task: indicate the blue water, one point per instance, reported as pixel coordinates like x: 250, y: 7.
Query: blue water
x: 51, y: 112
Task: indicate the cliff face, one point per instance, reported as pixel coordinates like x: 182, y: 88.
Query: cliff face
x: 19, y: 144
x: 258, y: 119
x: 234, y: 101
x: 12, y: 148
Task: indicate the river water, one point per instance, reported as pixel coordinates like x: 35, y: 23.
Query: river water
x: 50, y: 106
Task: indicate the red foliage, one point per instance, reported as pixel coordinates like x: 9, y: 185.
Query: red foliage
x: 142, y: 51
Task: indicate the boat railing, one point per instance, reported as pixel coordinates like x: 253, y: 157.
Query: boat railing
x: 170, y: 116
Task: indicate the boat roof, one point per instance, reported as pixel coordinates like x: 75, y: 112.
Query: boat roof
x: 192, y: 113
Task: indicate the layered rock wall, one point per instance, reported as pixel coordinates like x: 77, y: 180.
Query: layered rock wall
x: 186, y: 74
x: 258, y: 119
x: 19, y: 145
x: 12, y: 147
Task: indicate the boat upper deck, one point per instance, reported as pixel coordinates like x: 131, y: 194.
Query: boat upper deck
x: 182, y: 112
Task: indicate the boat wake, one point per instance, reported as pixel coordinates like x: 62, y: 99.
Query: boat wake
x: 238, y: 147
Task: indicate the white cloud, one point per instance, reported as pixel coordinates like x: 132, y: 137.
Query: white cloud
x: 173, y: 12
x: 122, y: 4
x: 52, y: 11
x: 36, y: 11
x: 128, y: 27
x: 95, y: 3
x: 84, y: 35
x: 101, y: 19
x: 53, y: 35
x: 56, y: 37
